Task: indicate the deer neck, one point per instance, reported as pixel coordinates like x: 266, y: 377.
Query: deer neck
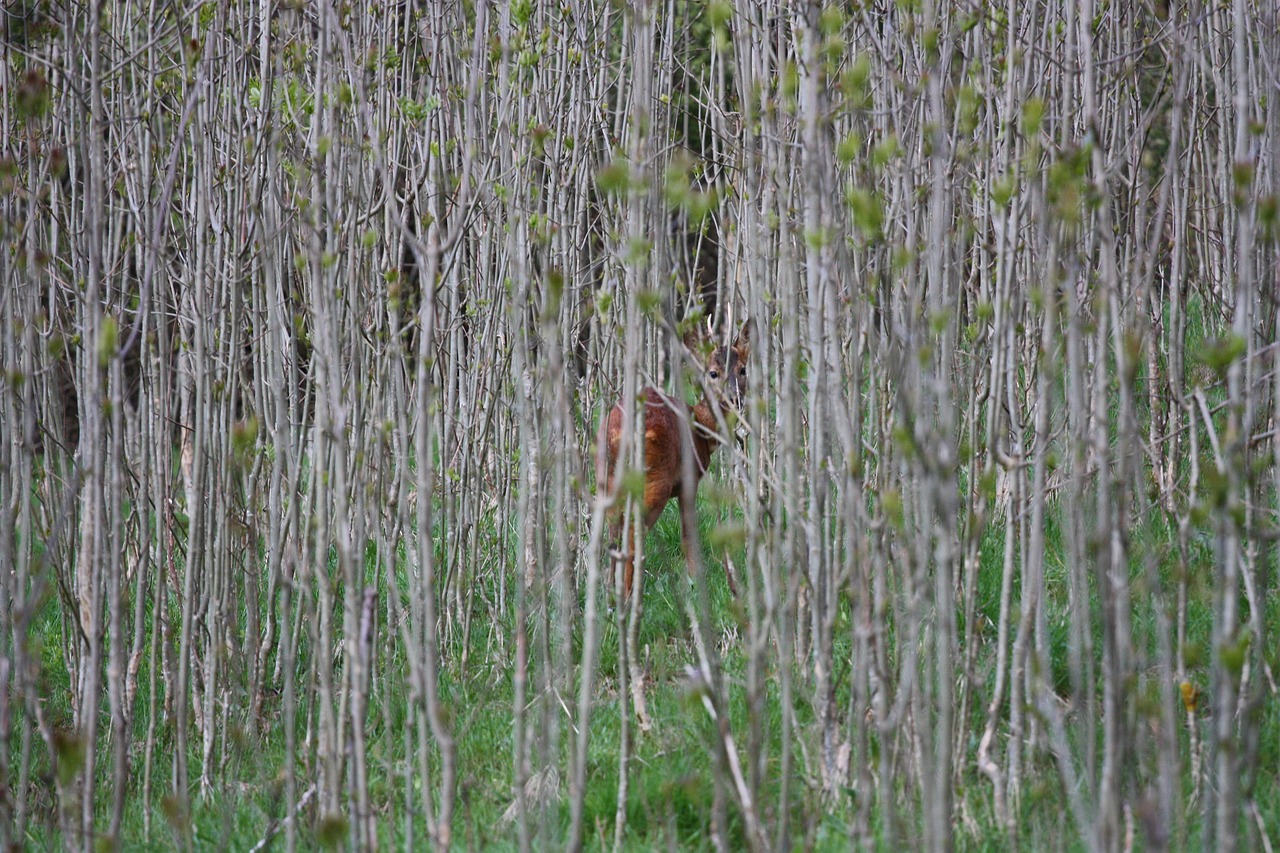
x: 706, y: 434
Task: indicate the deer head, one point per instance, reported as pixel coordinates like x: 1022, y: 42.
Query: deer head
x: 725, y: 368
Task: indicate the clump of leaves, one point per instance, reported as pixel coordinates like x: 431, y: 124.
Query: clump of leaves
x: 331, y: 831
x: 32, y: 96
x: 866, y: 211
x: 1222, y: 352
x: 615, y: 178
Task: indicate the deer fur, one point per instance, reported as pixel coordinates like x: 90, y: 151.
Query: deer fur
x: 665, y: 421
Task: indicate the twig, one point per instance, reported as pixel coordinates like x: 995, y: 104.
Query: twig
x: 274, y: 828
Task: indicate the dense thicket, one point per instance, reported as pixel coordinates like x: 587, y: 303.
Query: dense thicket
x: 309, y: 310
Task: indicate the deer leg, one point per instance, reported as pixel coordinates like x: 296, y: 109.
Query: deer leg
x: 630, y: 545
x: 651, y: 515
x: 636, y: 672
x: 621, y: 554
x: 688, y: 524
x: 629, y: 562
x: 730, y: 575
x: 688, y: 528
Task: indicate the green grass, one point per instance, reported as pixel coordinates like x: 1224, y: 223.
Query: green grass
x: 670, y: 799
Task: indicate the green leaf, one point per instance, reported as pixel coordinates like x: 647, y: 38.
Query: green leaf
x: 615, y: 178
x: 108, y: 340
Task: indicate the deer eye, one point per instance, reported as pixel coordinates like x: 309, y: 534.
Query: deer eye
x: 714, y: 374
x: 742, y: 371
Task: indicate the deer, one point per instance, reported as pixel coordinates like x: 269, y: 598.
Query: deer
x: 666, y: 421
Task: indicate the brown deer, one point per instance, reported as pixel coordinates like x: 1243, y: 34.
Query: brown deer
x: 665, y: 418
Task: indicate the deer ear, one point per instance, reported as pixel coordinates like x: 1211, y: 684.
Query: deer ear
x: 693, y: 340
x: 745, y: 335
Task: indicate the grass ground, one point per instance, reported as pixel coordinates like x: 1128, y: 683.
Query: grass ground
x: 670, y: 800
